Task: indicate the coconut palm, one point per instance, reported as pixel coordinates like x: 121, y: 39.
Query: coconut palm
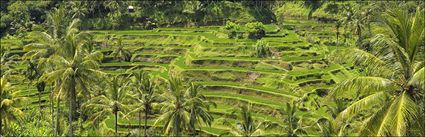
x: 51, y: 43
x: 337, y: 26
x: 79, y: 9
x: 114, y: 101
x: 74, y: 73
x: 145, y: 96
x: 313, y: 5
x: 248, y: 127
x: 181, y: 107
x: 395, y: 81
x: 10, y: 104
x: 292, y: 120
x: 120, y: 53
x: 199, y: 109
x: 175, y: 116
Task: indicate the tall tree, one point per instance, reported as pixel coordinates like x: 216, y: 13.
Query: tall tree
x: 199, y: 108
x: 51, y: 43
x: 177, y: 108
x: 75, y: 69
x: 395, y: 81
x: 145, y: 97
x: 113, y: 101
x: 175, y: 116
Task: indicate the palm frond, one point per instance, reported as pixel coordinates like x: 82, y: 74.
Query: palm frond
x: 393, y: 119
x: 417, y: 32
x: 418, y: 79
x: 375, y: 66
x: 361, y: 86
x: 418, y: 65
x: 376, y: 99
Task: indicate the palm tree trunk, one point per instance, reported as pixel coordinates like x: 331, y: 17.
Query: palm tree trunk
x: 71, y: 107
x: 146, y: 120
x: 140, y: 123
x: 368, y: 26
x: 337, y: 35
x: 177, y: 130
x: 116, y: 123
x: 57, y: 128
x: 310, y: 13
x: 359, y: 32
x: 52, y: 111
x: 345, y: 33
x: 70, y: 117
x: 39, y: 116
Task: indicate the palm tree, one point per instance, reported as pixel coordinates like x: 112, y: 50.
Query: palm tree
x: 75, y: 71
x: 395, y: 85
x: 175, y: 115
x: 199, y: 107
x: 145, y: 96
x: 51, y: 43
x: 52, y: 40
x: 79, y: 9
x: 114, y: 101
x: 120, y: 53
x: 293, y: 121
x: 10, y: 104
x: 248, y: 127
x: 338, y: 26
x: 181, y: 107
x: 313, y: 5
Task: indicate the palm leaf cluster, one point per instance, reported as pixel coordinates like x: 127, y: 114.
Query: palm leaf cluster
x: 247, y: 127
x: 184, y: 108
x: 10, y: 104
x: 394, y: 85
x: 120, y: 53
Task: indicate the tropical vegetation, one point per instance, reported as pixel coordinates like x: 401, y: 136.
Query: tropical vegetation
x: 212, y: 68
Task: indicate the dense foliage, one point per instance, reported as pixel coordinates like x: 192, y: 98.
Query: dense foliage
x: 212, y: 68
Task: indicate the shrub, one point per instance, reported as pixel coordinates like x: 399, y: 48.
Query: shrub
x: 262, y: 49
x: 255, y: 30
x: 231, y: 29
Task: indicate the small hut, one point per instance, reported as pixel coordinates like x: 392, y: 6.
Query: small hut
x: 130, y: 9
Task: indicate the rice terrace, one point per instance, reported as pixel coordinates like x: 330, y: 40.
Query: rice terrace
x: 212, y: 68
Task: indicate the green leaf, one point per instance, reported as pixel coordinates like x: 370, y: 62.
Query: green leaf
x: 418, y: 79
x: 362, y: 86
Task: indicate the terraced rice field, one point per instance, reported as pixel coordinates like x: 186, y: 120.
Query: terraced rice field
x: 227, y: 68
